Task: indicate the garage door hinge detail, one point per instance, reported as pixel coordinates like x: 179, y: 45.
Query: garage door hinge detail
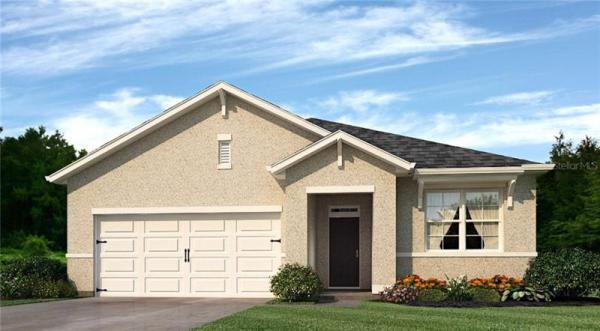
x: 275, y: 240
x: 100, y: 241
x: 101, y: 290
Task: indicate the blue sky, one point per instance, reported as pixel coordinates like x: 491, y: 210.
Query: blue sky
x: 503, y: 77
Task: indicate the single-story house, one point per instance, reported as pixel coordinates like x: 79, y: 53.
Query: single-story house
x: 212, y: 195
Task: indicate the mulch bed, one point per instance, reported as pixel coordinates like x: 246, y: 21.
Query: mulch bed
x: 471, y: 304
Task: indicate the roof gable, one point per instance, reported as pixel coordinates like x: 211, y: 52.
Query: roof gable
x: 340, y: 137
x: 219, y: 89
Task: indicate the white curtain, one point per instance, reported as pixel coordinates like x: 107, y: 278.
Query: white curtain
x: 478, y: 227
x: 435, y: 242
x: 447, y: 213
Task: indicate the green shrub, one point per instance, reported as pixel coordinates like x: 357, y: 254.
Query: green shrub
x: 399, y: 293
x: 42, y: 277
x: 482, y: 294
x: 36, y: 246
x: 54, y: 289
x: 35, y: 267
x: 458, y: 289
x: 526, y: 293
x: 568, y: 273
x: 295, y: 282
x: 67, y: 289
x: 46, y: 289
x: 432, y: 295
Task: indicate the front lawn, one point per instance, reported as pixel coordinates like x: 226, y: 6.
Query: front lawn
x: 6, y: 303
x: 378, y: 316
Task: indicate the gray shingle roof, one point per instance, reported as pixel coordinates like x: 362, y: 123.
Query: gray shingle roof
x: 426, y: 154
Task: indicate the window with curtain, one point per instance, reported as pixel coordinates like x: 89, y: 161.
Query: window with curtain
x: 482, y: 218
x: 443, y: 219
x: 476, y: 227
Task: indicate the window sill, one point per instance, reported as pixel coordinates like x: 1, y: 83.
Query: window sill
x: 226, y: 166
x: 466, y: 254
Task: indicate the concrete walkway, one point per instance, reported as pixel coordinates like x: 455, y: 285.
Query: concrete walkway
x: 121, y: 313
x: 345, y: 298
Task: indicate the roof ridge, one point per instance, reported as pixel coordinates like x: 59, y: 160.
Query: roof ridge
x: 419, y: 139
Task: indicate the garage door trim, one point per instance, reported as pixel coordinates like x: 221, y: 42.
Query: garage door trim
x: 187, y: 210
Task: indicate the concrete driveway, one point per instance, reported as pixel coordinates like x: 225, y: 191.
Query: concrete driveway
x: 121, y: 313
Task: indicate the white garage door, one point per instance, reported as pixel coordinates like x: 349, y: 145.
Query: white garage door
x: 228, y: 255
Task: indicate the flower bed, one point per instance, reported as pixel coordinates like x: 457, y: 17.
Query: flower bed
x: 420, y: 283
x: 497, y: 291
x: 498, y: 282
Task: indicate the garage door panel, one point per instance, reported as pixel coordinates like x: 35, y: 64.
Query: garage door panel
x: 204, y: 264
x: 159, y: 264
x: 121, y: 285
x: 118, y: 265
x: 208, y: 244
x: 200, y: 285
x: 117, y: 226
x: 254, y: 225
x: 207, y: 226
x: 255, y: 264
x: 118, y: 245
x: 153, y: 245
x: 160, y: 226
x: 253, y: 244
x: 163, y: 285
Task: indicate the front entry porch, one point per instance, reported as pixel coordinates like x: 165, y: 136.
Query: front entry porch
x: 340, y: 239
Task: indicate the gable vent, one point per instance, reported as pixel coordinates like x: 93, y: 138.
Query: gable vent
x: 224, y: 152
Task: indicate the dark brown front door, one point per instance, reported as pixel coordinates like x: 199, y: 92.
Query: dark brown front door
x: 343, y: 252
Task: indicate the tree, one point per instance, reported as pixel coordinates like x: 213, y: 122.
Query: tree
x: 569, y: 197
x: 31, y: 205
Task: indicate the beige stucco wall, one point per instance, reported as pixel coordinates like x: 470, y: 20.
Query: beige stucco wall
x: 359, y: 169
x: 177, y: 166
x: 519, y: 236
x: 322, y: 205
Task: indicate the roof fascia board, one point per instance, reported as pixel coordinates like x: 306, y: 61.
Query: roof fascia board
x: 485, y: 170
x: 171, y: 114
x: 332, y: 139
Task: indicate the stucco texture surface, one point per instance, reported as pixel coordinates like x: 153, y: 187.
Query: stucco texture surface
x: 519, y: 235
x: 456, y: 266
x: 177, y: 166
x: 359, y: 169
x: 323, y: 203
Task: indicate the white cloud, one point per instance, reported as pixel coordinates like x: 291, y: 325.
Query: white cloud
x: 585, y: 109
x: 515, y: 130
x: 534, y: 125
x: 522, y: 98
x: 361, y: 100
x: 410, y: 62
x: 55, y: 37
x: 110, y: 116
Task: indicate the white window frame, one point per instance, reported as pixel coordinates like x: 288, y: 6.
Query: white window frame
x: 353, y: 211
x: 221, y: 138
x: 462, y: 222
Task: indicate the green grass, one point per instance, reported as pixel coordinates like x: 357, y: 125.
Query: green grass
x: 384, y: 316
x: 11, y: 253
x: 6, y: 303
